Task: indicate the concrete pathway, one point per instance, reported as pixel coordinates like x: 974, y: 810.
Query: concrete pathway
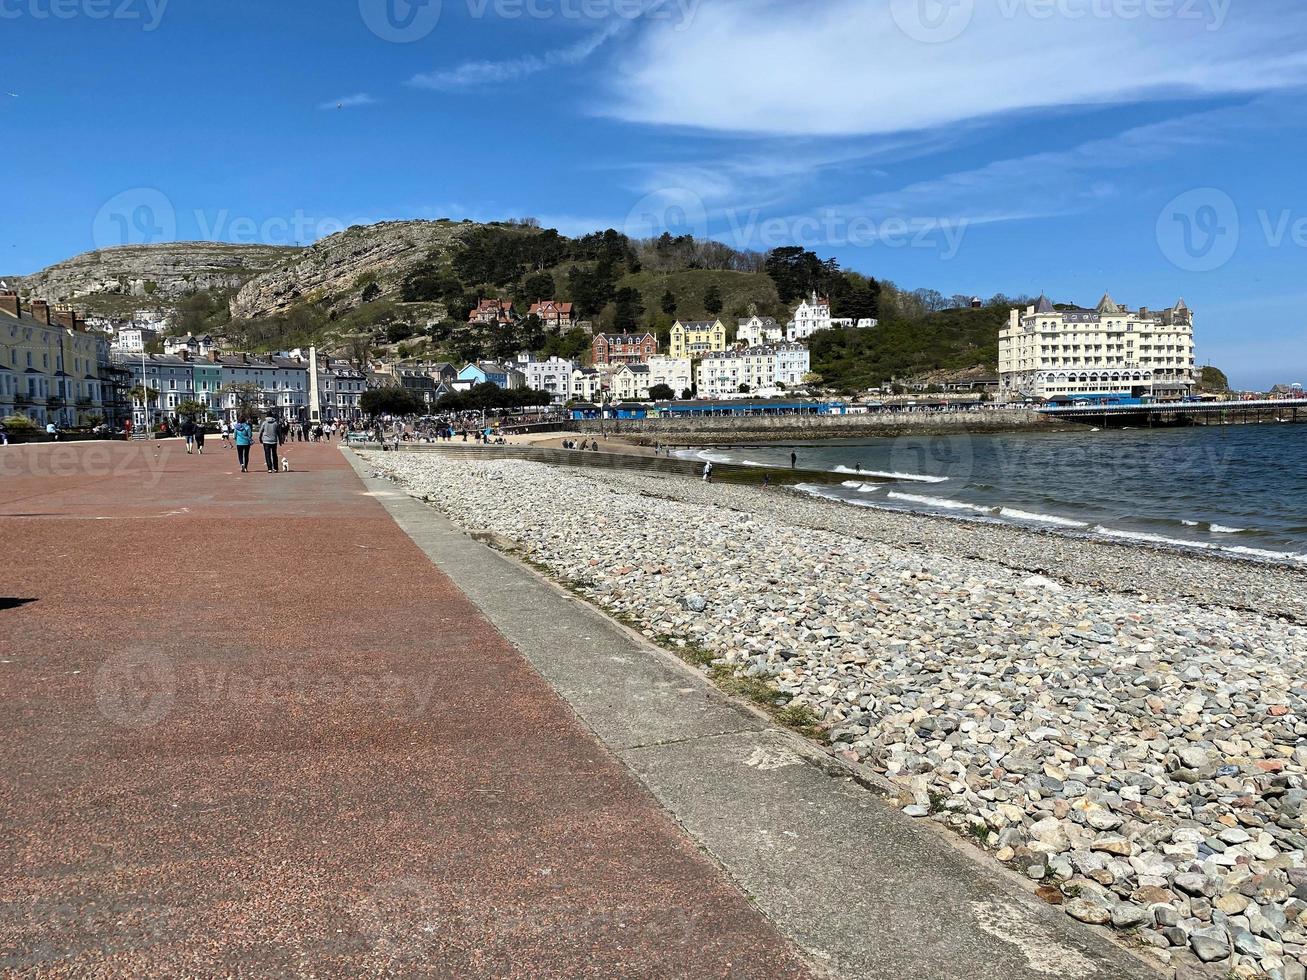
x: 250, y: 730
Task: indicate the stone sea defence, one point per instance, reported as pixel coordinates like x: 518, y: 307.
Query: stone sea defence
x: 708, y: 431
x: 1144, y: 760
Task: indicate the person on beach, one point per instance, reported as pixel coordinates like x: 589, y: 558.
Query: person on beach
x: 244, y: 439
x: 199, y: 438
x: 794, y: 460
x: 707, y: 472
x: 270, y: 435
x: 188, y: 433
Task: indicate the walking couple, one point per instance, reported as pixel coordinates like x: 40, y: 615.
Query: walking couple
x: 268, y: 438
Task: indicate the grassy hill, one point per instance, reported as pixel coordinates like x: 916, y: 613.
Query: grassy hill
x: 853, y: 360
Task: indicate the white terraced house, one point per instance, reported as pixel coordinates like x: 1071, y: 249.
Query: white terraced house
x: 1045, y: 352
x: 760, y: 369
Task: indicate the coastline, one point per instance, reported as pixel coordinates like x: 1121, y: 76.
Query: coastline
x: 1115, y: 722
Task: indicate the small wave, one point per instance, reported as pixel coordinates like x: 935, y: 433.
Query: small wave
x: 1143, y: 536
x: 1264, y: 553
x: 1192, y: 523
x: 1020, y: 515
x: 1222, y: 529
x: 708, y: 456
x: 943, y: 502
x: 852, y: 484
x: 891, y: 475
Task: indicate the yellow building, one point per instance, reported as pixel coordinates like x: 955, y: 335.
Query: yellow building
x: 49, y: 363
x: 697, y: 338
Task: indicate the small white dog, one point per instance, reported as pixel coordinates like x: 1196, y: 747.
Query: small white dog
x: 285, y: 464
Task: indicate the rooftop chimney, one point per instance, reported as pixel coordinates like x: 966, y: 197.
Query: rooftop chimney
x: 214, y: 356
x: 9, y: 302
x: 66, y: 318
x: 41, y: 311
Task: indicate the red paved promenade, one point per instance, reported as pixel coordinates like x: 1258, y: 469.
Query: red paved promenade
x: 249, y: 729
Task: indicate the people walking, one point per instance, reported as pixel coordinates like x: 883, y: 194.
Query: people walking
x: 188, y: 433
x: 225, y: 430
x: 244, y: 438
x: 794, y: 460
x: 270, y: 435
x: 199, y: 438
x: 707, y: 472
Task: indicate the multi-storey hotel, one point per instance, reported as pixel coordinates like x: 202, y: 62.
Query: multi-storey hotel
x: 755, y: 368
x: 1046, y: 352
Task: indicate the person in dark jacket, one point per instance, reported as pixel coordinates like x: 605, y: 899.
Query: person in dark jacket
x: 188, y: 433
x: 270, y: 435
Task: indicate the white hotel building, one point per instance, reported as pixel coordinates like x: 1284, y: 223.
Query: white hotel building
x: 1046, y: 352
x: 760, y: 368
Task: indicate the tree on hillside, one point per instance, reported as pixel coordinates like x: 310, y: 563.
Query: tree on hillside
x: 390, y: 401
x: 798, y: 272
x: 592, y: 287
x: 538, y: 286
x: 668, y: 302
x: 359, y: 349
x: 629, y: 308
x: 712, y: 300
x: 370, y: 292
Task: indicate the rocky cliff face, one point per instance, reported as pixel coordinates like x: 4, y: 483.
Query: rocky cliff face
x: 160, y: 272
x: 330, y: 270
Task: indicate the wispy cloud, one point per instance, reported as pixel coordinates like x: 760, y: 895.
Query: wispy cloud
x: 355, y: 101
x: 1005, y: 58
x: 471, y: 74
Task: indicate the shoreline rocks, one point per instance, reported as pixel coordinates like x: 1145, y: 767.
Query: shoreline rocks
x: 1143, y: 760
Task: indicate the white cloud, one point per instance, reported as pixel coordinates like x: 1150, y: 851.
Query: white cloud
x: 850, y: 66
x: 471, y: 74
x: 349, y: 102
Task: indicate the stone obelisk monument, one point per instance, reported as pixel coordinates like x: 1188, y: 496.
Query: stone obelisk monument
x: 315, y: 407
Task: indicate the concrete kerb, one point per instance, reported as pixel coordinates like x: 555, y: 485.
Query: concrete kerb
x: 815, y: 757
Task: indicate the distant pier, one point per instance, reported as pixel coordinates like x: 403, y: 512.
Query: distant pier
x: 1174, y: 414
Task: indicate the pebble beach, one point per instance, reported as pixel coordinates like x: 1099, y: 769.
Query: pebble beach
x: 1124, y: 726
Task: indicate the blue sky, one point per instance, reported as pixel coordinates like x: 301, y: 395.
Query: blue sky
x: 1152, y: 148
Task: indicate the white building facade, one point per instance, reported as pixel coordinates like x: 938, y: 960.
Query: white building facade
x: 553, y: 376
x: 1045, y: 352
x: 675, y: 372
x: 758, y: 369
x: 630, y: 382
x: 812, y: 316
x: 755, y: 331
x: 587, y: 383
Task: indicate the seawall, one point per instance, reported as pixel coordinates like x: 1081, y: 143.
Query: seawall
x: 708, y: 431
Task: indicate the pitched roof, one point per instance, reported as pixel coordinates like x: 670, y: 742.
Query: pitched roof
x: 1044, y: 304
x: 1108, y: 305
